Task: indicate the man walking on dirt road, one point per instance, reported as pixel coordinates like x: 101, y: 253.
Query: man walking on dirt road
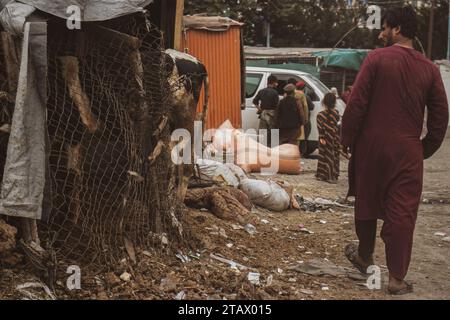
x: 381, y: 128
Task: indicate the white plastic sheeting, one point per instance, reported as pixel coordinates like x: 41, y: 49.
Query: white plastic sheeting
x: 24, y: 173
x: 91, y: 10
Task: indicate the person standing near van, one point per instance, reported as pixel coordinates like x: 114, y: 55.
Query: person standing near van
x: 329, y: 141
x: 382, y: 128
x: 266, y: 101
x: 308, y: 107
x: 290, y: 117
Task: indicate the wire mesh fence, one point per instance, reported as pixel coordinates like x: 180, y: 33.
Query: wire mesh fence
x: 107, y: 188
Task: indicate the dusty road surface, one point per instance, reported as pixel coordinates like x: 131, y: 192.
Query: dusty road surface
x: 279, y: 252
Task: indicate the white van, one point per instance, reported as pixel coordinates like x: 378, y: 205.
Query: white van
x: 256, y: 79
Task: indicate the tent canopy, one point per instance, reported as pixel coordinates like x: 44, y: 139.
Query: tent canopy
x: 343, y: 58
x: 91, y: 10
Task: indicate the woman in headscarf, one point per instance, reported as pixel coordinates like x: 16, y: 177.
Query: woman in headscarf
x: 329, y: 141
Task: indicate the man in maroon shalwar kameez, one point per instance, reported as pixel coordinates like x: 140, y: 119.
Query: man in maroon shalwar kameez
x: 382, y: 127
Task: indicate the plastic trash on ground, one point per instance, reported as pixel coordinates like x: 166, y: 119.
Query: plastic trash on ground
x: 269, y: 195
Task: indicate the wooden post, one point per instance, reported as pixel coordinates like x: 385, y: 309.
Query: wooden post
x: 178, y: 30
x: 70, y: 71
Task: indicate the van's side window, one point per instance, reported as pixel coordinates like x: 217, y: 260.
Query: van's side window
x: 252, y: 82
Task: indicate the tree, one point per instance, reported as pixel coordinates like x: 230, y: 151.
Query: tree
x: 321, y: 23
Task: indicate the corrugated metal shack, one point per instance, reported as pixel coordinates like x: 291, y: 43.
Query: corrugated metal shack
x: 218, y: 43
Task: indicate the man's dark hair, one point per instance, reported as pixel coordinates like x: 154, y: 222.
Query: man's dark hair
x: 292, y: 81
x: 403, y: 17
x: 329, y: 100
x: 272, y: 80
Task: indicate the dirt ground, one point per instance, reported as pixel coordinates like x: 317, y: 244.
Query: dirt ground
x: 276, y: 247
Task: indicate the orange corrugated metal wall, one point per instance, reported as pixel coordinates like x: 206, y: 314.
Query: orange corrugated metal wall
x: 221, y: 54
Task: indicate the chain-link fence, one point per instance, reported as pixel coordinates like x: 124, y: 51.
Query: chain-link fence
x: 107, y: 188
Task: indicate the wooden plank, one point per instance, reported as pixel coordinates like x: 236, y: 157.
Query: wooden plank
x: 178, y: 29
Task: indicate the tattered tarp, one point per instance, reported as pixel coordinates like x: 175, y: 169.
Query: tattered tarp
x: 264, y: 63
x: 24, y: 173
x: 91, y: 10
x: 275, y: 53
x: 343, y: 58
x: 218, y: 24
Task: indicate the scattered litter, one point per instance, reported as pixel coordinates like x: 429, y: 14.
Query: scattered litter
x: 292, y: 280
x: 180, y: 296
x: 230, y: 262
x: 253, y: 277
x: 319, y: 204
x: 194, y: 255
x: 280, y: 271
x: 308, y: 252
x: 204, y: 210
x: 125, y: 277
x: 230, y: 245
x: 322, y: 221
x: 325, y: 288
x: 22, y: 289
x: 269, y: 280
x: 164, y: 239
x: 440, y: 234
x: 237, y: 227
x: 169, y: 284
x: 250, y: 229
x: 182, y: 257
x: 220, y: 232
x: 265, y: 221
x: 446, y: 239
x: 304, y: 230
x: 320, y: 268
x: 307, y: 292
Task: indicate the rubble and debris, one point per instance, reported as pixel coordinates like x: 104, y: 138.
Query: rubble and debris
x: 230, y: 262
x: 251, y: 230
x: 22, y: 288
x: 7, y: 239
x: 182, y: 257
x: 126, y: 277
x: 317, y: 267
x: 319, y: 204
x: 224, y: 202
x: 269, y: 280
x: 180, y: 296
x: 169, y: 283
x: 254, y: 277
x: 440, y: 234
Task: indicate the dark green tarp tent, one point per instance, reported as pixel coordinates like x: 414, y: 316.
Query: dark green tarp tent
x: 343, y: 58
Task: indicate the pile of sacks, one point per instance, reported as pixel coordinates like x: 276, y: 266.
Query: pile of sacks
x: 236, y: 185
x: 235, y: 193
x: 253, y: 156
